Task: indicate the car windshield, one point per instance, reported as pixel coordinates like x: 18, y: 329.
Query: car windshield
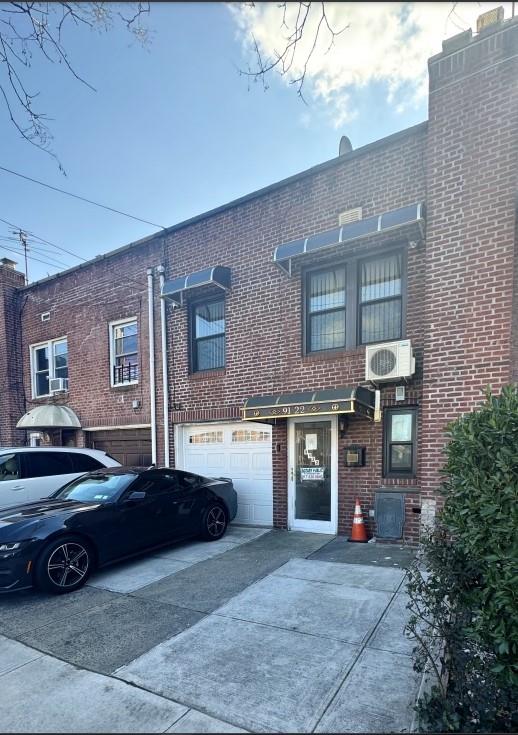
x: 97, y: 488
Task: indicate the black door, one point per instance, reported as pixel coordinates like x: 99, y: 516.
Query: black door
x: 140, y: 524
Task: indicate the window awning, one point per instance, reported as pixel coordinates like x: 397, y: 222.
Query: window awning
x: 217, y: 275
x: 411, y: 214
x: 358, y: 400
x: 49, y: 417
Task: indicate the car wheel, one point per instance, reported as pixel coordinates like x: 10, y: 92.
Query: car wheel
x: 64, y: 565
x: 214, y: 522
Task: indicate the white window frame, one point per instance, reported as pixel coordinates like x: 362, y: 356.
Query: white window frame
x: 49, y: 344
x: 111, y: 335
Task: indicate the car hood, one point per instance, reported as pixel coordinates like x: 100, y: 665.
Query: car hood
x: 26, y: 517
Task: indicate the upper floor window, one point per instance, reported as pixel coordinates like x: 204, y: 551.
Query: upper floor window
x: 380, y: 302
x: 356, y: 303
x: 326, y: 305
x: 208, y: 335
x: 124, y: 352
x: 48, y: 360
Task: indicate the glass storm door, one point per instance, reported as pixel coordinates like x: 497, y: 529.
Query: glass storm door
x: 312, y: 475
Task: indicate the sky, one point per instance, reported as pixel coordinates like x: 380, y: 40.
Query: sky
x: 173, y: 129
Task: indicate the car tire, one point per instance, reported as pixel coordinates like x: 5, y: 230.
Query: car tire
x: 214, y: 522
x: 64, y: 565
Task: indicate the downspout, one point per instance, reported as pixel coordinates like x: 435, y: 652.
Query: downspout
x: 165, y: 381
x: 152, y: 391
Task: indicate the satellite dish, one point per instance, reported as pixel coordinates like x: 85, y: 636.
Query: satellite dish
x: 345, y: 146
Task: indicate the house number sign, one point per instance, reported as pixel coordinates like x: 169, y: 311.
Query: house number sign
x: 301, y: 409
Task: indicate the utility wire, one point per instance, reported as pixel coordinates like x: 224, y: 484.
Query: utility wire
x: 57, y: 263
x: 53, y: 244
x: 83, y: 199
x: 70, y: 252
x: 31, y: 257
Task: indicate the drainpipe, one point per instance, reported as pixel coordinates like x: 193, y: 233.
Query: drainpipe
x: 152, y: 392
x: 165, y: 381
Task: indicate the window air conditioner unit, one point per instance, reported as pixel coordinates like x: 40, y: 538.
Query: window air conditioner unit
x: 58, y: 385
x: 389, y: 361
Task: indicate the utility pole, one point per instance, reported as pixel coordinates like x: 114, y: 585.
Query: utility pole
x: 23, y: 242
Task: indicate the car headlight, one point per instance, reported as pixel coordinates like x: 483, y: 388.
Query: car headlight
x: 11, y: 546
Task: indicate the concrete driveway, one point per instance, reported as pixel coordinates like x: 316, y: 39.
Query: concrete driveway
x: 257, y: 632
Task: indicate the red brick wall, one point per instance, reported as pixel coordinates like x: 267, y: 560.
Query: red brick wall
x: 472, y: 155
x: 81, y: 305
x: 264, y: 306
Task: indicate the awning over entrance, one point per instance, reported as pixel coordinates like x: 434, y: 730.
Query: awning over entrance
x: 356, y: 400
x: 217, y: 275
x: 397, y: 218
x: 49, y: 417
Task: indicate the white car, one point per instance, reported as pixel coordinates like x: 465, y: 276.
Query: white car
x: 31, y: 473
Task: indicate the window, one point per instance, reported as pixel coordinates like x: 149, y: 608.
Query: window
x: 325, y: 310
x: 208, y: 335
x: 9, y: 467
x: 85, y: 463
x: 45, y: 464
x: 187, y: 481
x: 154, y: 484
x: 48, y: 360
x: 380, y: 302
x: 206, y: 437
x: 124, y: 352
x: 247, y: 435
x: 399, y: 442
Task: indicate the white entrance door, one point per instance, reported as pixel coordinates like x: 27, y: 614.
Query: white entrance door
x: 241, y: 451
x: 313, y: 474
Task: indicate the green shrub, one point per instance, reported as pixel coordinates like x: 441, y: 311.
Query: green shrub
x: 464, y: 609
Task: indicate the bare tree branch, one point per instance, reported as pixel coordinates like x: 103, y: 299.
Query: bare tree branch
x: 32, y: 33
x: 282, y: 61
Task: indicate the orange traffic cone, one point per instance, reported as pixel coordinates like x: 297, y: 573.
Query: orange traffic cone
x: 358, y: 532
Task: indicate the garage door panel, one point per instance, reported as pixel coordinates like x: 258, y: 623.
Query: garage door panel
x: 241, y: 452
x: 262, y: 462
x: 239, y: 461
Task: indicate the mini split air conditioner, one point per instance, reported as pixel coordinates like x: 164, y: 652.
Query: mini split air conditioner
x: 389, y: 361
x: 58, y: 385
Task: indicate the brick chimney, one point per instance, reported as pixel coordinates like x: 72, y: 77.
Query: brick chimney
x: 12, y: 405
x: 472, y: 184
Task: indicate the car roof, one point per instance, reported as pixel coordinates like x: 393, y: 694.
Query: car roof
x: 131, y: 470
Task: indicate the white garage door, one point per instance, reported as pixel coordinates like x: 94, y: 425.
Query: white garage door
x: 242, y: 451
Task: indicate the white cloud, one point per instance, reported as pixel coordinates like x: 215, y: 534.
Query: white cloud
x: 387, y: 43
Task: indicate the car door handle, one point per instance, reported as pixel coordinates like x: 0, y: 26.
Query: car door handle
x: 18, y: 487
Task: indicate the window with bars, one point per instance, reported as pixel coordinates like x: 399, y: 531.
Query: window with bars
x: 208, y: 335
x: 399, y: 442
x: 326, y: 309
x: 124, y: 352
x: 48, y: 361
x: 380, y: 299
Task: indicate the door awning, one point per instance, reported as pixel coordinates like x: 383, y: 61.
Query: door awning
x: 49, y: 417
x: 397, y: 218
x: 358, y: 400
x: 217, y: 275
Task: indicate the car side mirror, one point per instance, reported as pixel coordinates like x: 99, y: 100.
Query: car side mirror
x: 135, y: 496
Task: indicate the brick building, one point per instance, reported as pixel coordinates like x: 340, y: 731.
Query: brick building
x: 257, y: 366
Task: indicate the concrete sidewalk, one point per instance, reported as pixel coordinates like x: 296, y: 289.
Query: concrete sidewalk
x: 246, y: 634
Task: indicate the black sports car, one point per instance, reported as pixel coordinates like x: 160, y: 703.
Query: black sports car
x: 105, y: 516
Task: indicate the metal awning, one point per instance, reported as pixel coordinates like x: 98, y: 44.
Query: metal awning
x: 411, y: 214
x: 217, y: 275
x: 358, y: 400
x: 49, y: 417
